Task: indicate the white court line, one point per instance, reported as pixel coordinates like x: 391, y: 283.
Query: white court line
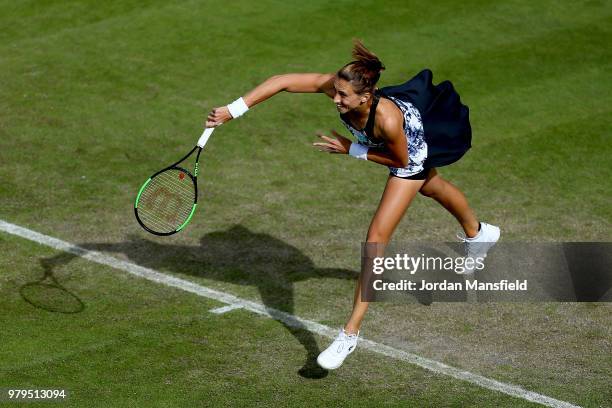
x: 286, y: 318
x: 225, y: 309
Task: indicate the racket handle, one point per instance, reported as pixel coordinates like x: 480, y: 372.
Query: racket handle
x: 205, y: 135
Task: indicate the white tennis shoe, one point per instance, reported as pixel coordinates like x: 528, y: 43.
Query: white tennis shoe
x: 478, y: 246
x: 333, y: 356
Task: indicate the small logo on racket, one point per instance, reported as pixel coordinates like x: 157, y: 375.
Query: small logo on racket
x: 181, y: 176
x: 165, y: 200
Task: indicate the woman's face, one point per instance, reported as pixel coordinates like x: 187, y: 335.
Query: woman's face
x: 346, y: 99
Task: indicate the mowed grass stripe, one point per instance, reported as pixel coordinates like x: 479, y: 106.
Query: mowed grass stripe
x: 393, y: 27
x: 488, y: 85
x: 470, y: 58
x: 26, y: 20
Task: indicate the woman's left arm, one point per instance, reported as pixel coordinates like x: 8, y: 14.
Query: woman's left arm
x: 389, y: 128
x: 395, y: 153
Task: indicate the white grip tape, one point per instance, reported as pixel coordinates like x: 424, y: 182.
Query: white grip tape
x: 204, y: 138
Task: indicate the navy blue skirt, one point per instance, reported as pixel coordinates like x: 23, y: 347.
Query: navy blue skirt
x: 446, y: 121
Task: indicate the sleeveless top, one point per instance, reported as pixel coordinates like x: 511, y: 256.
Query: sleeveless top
x: 413, y: 129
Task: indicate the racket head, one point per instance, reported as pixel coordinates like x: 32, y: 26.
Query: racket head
x: 166, y: 201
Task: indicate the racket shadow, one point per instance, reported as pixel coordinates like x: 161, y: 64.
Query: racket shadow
x: 47, y: 293
x: 237, y: 256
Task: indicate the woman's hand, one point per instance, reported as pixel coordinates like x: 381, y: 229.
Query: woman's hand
x: 218, y: 116
x: 339, y: 145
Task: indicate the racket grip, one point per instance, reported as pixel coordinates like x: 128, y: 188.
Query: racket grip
x: 205, y: 135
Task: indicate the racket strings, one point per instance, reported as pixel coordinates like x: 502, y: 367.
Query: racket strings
x: 168, y: 187
x: 167, y: 200
x: 164, y: 219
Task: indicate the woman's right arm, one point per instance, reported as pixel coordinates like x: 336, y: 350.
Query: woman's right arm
x: 299, y: 83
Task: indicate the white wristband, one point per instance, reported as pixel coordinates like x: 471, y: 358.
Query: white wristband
x: 359, y: 151
x: 237, y: 108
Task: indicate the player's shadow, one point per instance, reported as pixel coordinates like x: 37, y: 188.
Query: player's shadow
x: 237, y: 256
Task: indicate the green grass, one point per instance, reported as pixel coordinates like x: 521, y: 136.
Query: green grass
x: 95, y: 97
x: 142, y: 343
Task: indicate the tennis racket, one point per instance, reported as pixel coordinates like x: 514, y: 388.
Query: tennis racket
x: 167, y: 200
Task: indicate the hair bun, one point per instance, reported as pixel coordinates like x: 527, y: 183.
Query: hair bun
x: 364, y: 56
x: 364, y: 71
x: 375, y: 65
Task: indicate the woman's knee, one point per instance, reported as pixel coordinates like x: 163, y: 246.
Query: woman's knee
x: 433, y: 187
x: 427, y: 192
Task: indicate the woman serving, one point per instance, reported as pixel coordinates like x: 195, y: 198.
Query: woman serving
x: 412, y: 129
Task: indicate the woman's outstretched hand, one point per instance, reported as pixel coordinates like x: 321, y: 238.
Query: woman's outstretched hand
x: 339, y: 145
x: 218, y: 116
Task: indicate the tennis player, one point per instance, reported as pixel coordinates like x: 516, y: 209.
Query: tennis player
x: 411, y: 129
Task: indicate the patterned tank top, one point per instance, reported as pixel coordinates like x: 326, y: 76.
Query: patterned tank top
x: 413, y: 129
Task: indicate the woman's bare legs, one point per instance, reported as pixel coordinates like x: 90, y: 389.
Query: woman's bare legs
x: 451, y: 198
x: 396, y: 198
x: 395, y: 201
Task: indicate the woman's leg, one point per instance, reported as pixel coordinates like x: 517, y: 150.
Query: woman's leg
x: 451, y: 198
x: 395, y: 200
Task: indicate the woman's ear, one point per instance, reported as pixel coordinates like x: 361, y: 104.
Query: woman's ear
x: 364, y: 97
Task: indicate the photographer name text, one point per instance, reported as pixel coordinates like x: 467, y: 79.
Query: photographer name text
x: 409, y: 285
